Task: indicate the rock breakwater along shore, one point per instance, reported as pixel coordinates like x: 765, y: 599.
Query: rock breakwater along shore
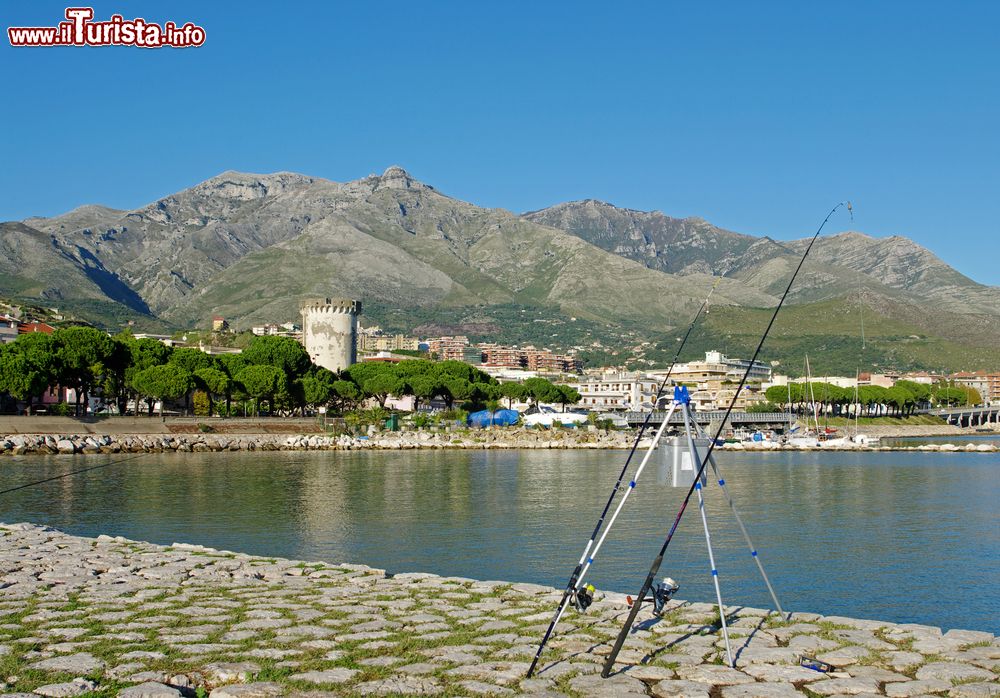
x: 110, y: 616
x: 25, y: 444
x: 48, y: 444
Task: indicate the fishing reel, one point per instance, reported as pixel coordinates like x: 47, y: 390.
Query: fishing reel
x: 584, y: 597
x: 662, y: 593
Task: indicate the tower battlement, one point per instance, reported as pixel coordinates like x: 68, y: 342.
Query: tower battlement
x: 330, y: 305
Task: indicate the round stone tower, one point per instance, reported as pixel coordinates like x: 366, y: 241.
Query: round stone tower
x: 330, y: 331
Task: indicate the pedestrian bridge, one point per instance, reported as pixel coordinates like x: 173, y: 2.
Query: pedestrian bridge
x: 969, y: 416
x: 736, y: 419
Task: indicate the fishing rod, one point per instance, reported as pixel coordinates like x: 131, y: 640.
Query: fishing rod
x: 70, y: 473
x: 655, y: 567
x: 587, y: 558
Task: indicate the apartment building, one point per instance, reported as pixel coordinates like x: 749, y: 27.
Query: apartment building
x: 545, y: 361
x: 449, y: 348
x: 385, y: 342
x: 986, y: 384
x: 718, y: 366
x: 499, y: 356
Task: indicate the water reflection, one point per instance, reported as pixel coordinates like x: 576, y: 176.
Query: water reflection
x: 907, y: 536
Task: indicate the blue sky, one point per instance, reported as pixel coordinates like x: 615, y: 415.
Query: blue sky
x: 756, y: 116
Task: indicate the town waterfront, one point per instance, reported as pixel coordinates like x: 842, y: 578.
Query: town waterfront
x: 907, y: 537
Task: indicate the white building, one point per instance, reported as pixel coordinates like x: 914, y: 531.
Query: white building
x: 617, y: 391
x: 716, y: 366
x: 8, y: 329
x: 839, y: 381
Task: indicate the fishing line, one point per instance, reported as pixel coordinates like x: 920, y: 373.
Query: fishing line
x: 576, y: 576
x: 72, y: 472
x: 609, y: 663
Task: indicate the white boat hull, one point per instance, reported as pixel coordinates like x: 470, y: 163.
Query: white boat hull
x: 546, y: 419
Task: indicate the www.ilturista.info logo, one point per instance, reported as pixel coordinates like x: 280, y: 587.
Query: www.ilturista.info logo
x: 80, y: 30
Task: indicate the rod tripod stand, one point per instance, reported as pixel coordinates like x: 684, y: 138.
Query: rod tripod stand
x: 681, y: 401
x: 573, y: 587
x: 693, y: 430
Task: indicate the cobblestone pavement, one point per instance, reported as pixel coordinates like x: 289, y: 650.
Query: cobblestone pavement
x: 109, y: 616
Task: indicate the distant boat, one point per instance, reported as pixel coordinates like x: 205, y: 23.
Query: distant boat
x: 755, y: 438
x: 804, y: 441
x: 856, y: 441
x: 547, y: 419
x: 617, y: 421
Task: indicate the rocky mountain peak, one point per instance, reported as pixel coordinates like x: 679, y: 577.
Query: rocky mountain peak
x: 247, y: 185
x: 395, y: 177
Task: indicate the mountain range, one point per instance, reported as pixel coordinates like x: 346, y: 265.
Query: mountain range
x: 251, y: 247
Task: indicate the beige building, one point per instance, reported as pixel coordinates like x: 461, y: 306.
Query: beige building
x: 882, y: 380
x: 546, y: 361
x: 449, y: 348
x: 986, y: 384
x: 386, y: 342
x: 921, y: 377
x: 717, y: 366
x: 530, y: 358
x: 717, y: 394
x: 499, y: 356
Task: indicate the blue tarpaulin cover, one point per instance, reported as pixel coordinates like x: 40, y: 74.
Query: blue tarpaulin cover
x: 503, y: 418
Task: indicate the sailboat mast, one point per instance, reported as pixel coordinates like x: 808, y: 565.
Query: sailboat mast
x: 812, y: 397
x: 857, y: 405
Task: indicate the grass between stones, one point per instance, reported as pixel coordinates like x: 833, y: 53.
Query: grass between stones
x: 166, y: 608
x: 337, y: 621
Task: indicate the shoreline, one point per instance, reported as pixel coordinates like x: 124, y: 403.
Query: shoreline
x: 111, y: 443
x: 112, y: 616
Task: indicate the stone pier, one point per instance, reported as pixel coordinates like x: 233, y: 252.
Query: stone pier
x: 115, y: 617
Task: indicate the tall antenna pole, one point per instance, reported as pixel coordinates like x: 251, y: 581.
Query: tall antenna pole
x: 861, y: 311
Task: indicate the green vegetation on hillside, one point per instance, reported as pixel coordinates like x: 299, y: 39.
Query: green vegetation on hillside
x: 830, y: 333
x: 507, y: 323
x: 105, y: 314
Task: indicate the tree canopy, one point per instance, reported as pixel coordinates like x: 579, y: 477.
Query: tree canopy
x: 283, y: 353
x: 274, y: 370
x: 81, y: 357
x: 164, y: 382
x: 18, y: 376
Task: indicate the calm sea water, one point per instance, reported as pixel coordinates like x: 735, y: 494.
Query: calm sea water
x: 909, y: 537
